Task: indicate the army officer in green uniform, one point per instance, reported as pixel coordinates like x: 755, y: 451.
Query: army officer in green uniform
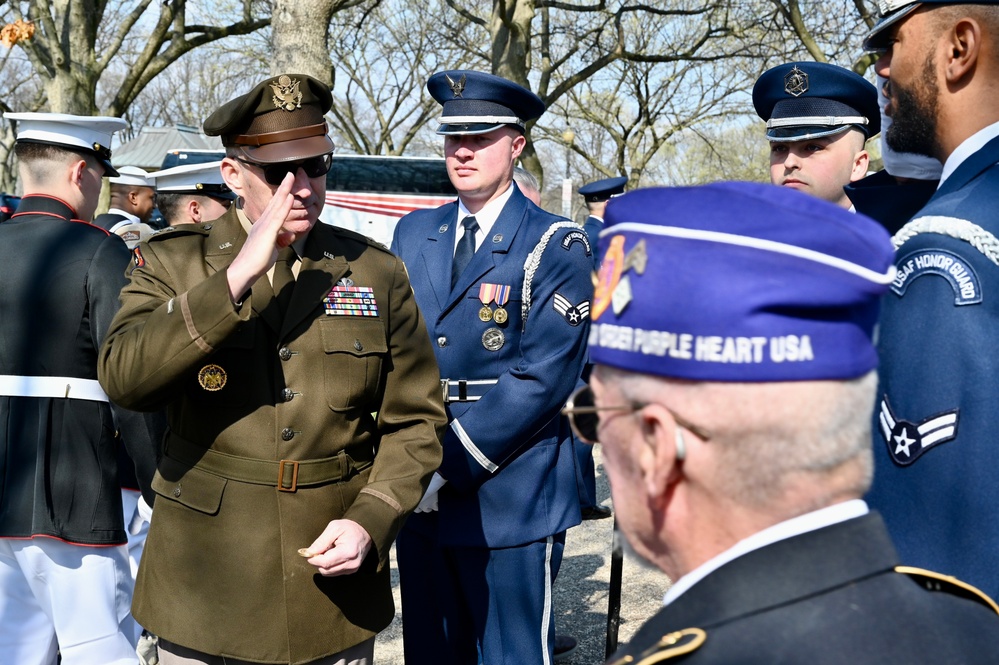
x: 303, y: 400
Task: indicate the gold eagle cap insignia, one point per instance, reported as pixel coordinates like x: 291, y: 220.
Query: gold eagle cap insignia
x: 457, y: 87
x: 287, y: 93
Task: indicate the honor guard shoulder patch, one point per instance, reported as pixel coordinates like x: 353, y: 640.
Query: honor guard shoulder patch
x: 908, y: 441
x: 932, y: 581
x: 959, y: 274
x: 573, y: 237
x: 670, y: 645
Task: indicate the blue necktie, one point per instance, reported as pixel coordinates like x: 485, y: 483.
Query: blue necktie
x: 466, y: 248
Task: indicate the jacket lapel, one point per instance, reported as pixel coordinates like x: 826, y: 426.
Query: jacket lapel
x: 438, y: 254
x: 970, y: 168
x: 497, y: 242
x: 322, y: 266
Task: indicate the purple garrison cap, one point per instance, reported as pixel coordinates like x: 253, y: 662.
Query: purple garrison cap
x: 738, y: 282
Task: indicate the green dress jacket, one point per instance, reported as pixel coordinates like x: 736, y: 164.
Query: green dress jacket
x: 278, y: 423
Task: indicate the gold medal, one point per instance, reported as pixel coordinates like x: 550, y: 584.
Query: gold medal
x: 500, y: 316
x: 485, y: 314
x: 212, y: 378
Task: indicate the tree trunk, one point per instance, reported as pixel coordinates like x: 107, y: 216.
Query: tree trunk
x: 300, y: 29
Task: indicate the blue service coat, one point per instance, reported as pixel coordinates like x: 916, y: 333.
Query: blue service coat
x: 592, y: 227
x: 936, y: 460
x: 508, y: 457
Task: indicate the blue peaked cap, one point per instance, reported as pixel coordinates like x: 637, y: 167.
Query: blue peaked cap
x: 805, y: 100
x: 601, y: 190
x: 476, y: 103
x: 738, y: 282
x: 891, y: 12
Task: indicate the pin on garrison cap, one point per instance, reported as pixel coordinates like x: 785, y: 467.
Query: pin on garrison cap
x: 761, y: 284
x: 133, y: 176
x: 199, y: 179
x: 807, y: 100
x: 279, y: 120
x: 602, y: 190
x: 477, y: 103
x: 89, y: 134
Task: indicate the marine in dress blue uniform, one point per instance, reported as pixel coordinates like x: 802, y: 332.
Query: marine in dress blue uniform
x: 818, y: 118
x: 935, y: 422
x: 734, y: 376
x: 510, y: 338
x: 64, y: 576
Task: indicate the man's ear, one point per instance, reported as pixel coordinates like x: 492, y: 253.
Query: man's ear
x: 194, y: 210
x: 518, y: 145
x: 964, y: 44
x: 662, y: 450
x: 76, y: 171
x: 861, y: 162
x: 231, y: 174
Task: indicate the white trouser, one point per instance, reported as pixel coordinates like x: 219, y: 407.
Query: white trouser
x: 77, y: 599
x: 137, y: 513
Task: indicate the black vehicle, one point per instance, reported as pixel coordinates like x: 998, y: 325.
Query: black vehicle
x: 8, y: 204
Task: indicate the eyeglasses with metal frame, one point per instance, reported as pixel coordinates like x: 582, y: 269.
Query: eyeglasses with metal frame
x: 584, y: 416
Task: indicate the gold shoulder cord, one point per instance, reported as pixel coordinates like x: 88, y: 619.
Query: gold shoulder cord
x: 678, y: 643
x: 936, y: 582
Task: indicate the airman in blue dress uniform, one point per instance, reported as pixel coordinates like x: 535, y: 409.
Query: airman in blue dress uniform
x: 819, y: 117
x: 509, y: 320
x: 936, y: 457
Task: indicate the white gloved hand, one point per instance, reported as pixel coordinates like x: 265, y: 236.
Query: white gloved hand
x: 143, y: 513
x: 428, y: 503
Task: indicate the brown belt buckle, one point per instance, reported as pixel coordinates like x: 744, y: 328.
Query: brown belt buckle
x: 294, y: 476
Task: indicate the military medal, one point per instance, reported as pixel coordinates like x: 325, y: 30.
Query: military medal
x: 488, y: 293
x: 212, y: 378
x: 493, y: 339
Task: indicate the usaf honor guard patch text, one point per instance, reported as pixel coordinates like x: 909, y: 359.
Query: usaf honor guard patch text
x: 961, y: 276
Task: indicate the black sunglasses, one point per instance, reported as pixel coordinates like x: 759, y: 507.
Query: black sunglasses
x: 275, y: 173
x: 584, y: 416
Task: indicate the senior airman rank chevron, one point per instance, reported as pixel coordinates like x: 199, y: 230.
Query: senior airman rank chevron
x: 908, y: 441
x: 351, y: 301
x: 573, y: 314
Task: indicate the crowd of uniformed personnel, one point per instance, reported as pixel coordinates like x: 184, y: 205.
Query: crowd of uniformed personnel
x: 795, y: 423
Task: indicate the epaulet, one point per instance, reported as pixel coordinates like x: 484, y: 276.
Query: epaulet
x: 532, y: 263
x: 936, y: 582
x: 953, y: 227
x: 181, y: 230
x: 671, y: 645
x: 360, y: 237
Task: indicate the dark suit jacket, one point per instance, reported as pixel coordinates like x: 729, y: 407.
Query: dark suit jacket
x: 508, y: 457
x: 247, y: 389
x: 826, y: 597
x: 58, y: 457
x: 936, y: 462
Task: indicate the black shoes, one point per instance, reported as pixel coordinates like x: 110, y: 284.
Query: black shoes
x: 596, y: 512
x: 565, y: 645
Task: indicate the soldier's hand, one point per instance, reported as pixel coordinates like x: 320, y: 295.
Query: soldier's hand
x: 265, y: 239
x: 341, y: 548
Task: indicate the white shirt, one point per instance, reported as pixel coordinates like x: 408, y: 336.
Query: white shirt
x: 795, y: 526
x: 485, y: 217
x: 129, y: 219
x: 968, y: 147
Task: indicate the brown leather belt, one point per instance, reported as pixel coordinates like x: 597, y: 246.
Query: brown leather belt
x: 286, y: 475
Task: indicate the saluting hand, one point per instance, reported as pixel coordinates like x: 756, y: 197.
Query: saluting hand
x: 340, y: 549
x: 265, y: 239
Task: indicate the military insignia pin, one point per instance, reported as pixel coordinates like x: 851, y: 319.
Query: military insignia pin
x: 442, y: 229
x: 457, y: 87
x: 796, y: 82
x: 287, y: 94
x: 493, y: 339
x: 212, y: 378
x: 573, y: 314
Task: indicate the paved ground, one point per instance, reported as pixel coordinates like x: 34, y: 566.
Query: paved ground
x: 580, y: 592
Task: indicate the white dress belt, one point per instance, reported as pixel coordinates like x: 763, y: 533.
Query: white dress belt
x: 63, y: 387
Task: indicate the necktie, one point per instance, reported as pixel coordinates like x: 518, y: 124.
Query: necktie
x: 283, y: 282
x: 466, y: 248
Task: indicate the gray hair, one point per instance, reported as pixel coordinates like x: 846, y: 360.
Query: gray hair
x: 525, y: 179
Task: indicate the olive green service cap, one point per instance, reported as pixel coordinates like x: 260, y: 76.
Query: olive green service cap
x: 279, y: 120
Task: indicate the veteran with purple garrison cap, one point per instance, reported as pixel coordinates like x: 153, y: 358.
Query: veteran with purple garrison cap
x: 732, y: 391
